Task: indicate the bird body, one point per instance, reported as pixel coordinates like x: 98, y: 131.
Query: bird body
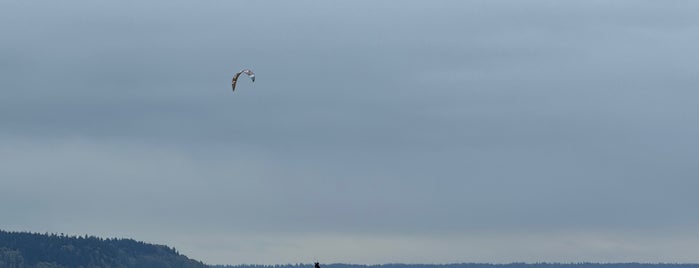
x: 248, y: 72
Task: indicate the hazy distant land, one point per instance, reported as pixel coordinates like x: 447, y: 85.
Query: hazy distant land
x: 477, y: 265
x: 34, y: 250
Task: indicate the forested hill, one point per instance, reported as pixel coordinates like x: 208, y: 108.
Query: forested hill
x: 30, y: 250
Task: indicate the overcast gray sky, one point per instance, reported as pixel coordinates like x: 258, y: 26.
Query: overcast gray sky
x: 377, y: 131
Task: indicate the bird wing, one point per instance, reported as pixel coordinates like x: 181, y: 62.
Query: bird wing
x: 235, y: 80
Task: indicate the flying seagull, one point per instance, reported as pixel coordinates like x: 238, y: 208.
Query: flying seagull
x: 244, y: 71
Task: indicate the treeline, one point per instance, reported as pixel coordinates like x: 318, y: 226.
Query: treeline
x: 34, y: 250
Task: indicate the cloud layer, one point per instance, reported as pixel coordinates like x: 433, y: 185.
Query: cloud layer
x: 408, y: 128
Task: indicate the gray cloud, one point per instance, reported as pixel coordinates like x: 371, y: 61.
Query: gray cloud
x: 368, y: 118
